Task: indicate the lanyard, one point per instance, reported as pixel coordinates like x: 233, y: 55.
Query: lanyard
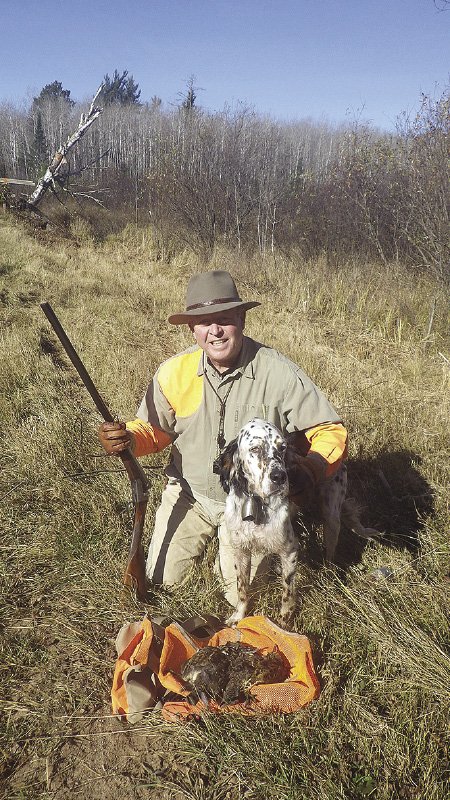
x: 222, y: 401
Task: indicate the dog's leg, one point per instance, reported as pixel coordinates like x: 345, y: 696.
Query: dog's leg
x: 242, y: 563
x: 331, y: 530
x: 289, y: 560
x: 331, y: 495
x: 332, y: 498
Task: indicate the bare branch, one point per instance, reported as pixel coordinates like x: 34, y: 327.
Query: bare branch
x: 87, y: 195
x: 95, y: 160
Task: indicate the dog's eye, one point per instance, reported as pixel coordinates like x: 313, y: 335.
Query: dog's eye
x: 255, y: 449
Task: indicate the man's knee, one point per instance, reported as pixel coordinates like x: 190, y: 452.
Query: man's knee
x: 171, y: 571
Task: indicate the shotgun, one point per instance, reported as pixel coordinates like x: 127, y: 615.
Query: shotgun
x: 134, y: 576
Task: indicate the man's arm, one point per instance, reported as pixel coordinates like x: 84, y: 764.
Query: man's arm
x: 151, y: 430
x: 328, y: 447
x: 136, y: 435
x: 147, y: 438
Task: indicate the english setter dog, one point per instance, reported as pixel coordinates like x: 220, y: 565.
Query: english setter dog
x: 253, y: 470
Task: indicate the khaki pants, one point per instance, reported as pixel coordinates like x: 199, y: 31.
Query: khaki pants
x: 183, y: 526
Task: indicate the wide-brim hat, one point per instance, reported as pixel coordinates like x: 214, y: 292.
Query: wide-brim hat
x: 209, y: 293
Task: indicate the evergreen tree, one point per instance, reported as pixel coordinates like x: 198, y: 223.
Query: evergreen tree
x: 39, y: 149
x: 189, y: 97
x: 120, y: 89
x: 53, y: 91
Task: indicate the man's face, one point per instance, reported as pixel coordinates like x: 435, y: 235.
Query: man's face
x: 220, y: 336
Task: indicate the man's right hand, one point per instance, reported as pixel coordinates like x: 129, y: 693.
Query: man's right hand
x: 115, y: 438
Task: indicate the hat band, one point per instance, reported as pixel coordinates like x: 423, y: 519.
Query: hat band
x: 214, y: 302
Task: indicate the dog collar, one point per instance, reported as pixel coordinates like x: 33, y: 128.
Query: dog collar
x: 254, y: 509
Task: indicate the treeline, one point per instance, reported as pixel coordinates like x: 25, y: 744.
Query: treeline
x: 248, y: 182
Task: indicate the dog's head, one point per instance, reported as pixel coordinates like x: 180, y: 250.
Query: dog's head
x: 253, y: 463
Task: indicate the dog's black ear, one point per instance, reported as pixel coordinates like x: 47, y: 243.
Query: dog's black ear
x: 238, y: 482
x: 223, y: 464
x: 291, y: 458
x: 298, y: 442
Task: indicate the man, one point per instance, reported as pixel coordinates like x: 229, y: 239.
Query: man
x: 197, y: 403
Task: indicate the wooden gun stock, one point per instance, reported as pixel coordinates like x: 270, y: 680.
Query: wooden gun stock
x: 134, y: 576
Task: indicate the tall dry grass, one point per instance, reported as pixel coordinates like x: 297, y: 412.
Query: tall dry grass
x: 363, y: 333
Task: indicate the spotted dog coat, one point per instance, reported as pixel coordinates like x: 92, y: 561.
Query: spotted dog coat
x: 253, y: 471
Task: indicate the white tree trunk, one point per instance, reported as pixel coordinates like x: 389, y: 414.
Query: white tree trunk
x: 60, y: 156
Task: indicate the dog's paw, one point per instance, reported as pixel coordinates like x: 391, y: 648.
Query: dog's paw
x: 233, y: 620
x: 373, y: 535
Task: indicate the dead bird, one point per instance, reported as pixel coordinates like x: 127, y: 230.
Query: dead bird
x: 225, y: 673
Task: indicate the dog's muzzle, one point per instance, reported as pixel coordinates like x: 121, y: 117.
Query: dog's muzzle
x: 278, y: 475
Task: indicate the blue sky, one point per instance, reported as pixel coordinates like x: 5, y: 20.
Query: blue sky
x: 327, y: 60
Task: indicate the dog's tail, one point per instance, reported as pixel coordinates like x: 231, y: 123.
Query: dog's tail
x: 350, y: 516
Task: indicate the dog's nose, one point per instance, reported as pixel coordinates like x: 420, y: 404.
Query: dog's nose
x: 277, y: 475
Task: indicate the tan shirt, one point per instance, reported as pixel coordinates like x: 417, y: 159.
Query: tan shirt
x: 184, y: 403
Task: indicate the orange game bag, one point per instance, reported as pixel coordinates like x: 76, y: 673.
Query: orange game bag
x: 150, y: 657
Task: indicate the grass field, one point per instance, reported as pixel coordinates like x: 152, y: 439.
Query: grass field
x: 368, y: 336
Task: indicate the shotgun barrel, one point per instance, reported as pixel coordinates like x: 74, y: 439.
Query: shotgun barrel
x: 135, y: 571
x: 102, y: 408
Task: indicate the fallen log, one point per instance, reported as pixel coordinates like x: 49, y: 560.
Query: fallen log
x: 17, y: 181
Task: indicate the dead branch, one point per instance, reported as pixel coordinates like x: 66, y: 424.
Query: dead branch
x: 59, y: 160
x: 86, y: 195
x: 93, y: 161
